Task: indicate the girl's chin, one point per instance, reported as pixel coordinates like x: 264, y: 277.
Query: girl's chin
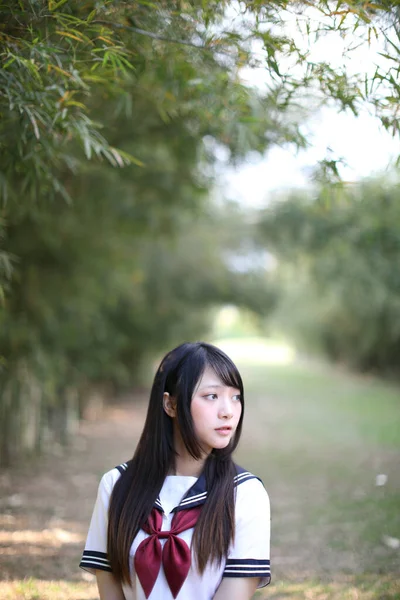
x: 222, y: 444
x: 208, y: 449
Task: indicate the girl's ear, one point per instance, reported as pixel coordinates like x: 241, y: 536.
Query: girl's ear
x: 169, y: 404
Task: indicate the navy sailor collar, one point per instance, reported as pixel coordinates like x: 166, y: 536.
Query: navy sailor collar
x: 197, y: 494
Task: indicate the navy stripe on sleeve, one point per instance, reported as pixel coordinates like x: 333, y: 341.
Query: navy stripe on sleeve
x: 91, y: 559
x: 247, y: 567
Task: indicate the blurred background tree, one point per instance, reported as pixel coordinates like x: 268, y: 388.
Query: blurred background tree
x: 339, y: 252
x: 100, y: 265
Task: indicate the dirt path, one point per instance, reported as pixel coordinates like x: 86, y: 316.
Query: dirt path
x: 45, y: 508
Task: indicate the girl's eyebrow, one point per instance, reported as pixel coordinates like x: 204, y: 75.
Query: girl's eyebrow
x: 215, y: 385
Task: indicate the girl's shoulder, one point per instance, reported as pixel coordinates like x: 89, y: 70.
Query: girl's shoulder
x: 250, y: 488
x: 243, y: 475
x: 109, y: 478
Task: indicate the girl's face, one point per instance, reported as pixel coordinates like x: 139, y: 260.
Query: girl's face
x: 215, y: 410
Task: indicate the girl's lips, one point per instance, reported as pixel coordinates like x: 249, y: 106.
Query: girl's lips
x: 224, y: 430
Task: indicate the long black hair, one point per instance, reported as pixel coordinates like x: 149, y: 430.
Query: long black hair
x: 138, y: 487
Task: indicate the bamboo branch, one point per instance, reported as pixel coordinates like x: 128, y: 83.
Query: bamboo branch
x: 150, y: 34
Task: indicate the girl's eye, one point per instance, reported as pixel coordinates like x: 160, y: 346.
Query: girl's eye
x: 211, y: 396
x: 237, y: 397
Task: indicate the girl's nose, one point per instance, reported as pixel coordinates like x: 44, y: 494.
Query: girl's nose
x: 225, y: 410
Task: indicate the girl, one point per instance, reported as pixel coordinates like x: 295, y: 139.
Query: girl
x: 181, y: 520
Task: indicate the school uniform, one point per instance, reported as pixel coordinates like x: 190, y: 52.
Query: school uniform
x: 175, y: 510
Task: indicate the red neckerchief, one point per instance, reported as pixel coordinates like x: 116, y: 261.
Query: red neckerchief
x: 175, y: 556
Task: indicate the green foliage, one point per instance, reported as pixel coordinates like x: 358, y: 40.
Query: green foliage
x: 101, y: 265
x: 338, y: 253
x: 157, y: 106
x: 61, y: 59
x: 52, y: 65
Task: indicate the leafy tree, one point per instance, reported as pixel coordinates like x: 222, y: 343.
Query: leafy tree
x: 338, y: 252
x: 99, y: 264
x: 60, y: 58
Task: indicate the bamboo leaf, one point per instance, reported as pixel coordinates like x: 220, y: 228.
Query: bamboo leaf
x: 130, y: 158
x: 87, y: 147
x: 117, y: 156
x: 33, y: 121
x: 58, y: 69
x: 9, y: 62
x: 55, y: 5
x: 91, y: 16
x: 70, y: 35
x: 104, y: 39
x: 75, y: 103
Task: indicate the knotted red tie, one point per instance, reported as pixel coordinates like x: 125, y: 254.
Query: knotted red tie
x: 175, y: 556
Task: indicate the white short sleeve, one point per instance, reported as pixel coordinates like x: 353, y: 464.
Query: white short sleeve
x: 95, y: 553
x: 249, y: 555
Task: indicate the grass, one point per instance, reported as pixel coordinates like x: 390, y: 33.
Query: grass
x: 369, y: 588
x: 351, y: 588
x: 35, y: 589
x: 362, y: 406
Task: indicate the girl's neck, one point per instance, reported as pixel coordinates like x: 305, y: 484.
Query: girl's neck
x: 188, y: 467
x: 185, y: 464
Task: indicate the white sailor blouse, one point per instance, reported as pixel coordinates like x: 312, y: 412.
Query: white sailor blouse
x: 169, y: 530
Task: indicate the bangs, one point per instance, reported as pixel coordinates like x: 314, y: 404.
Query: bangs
x: 224, y: 368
